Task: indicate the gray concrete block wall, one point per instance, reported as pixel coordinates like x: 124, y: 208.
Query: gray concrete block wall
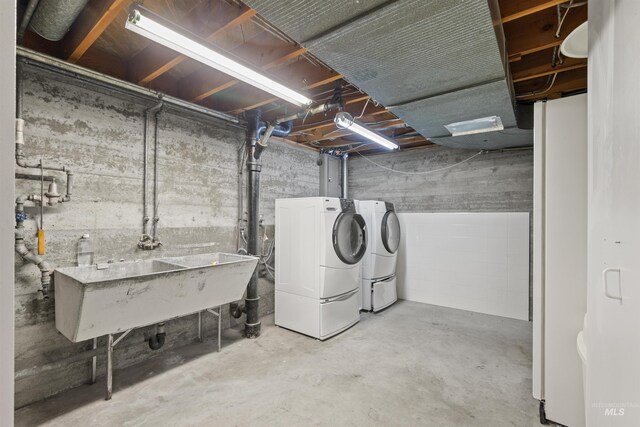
x: 99, y: 135
x: 491, y: 182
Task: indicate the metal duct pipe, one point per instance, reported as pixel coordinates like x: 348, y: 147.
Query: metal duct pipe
x: 254, y: 167
x: 345, y: 177
x: 26, y: 18
x: 323, y: 108
x: 255, y: 144
x: 53, y: 18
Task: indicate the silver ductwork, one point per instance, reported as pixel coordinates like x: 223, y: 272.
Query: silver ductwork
x: 431, y: 62
x: 53, y: 18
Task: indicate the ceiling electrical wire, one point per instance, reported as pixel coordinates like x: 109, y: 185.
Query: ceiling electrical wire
x: 422, y: 172
x: 569, y: 6
x: 551, y: 81
x: 364, y: 109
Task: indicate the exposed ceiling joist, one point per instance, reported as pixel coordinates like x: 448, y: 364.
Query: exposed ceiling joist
x: 89, y: 26
x: 516, y: 9
x: 546, y: 70
x: 535, y: 33
x: 542, y: 88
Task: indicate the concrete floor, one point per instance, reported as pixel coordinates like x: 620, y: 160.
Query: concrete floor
x: 413, y: 364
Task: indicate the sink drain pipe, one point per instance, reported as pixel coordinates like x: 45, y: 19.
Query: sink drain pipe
x: 258, y: 134
x: 156, y: 341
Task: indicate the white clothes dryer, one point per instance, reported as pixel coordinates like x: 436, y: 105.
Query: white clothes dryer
x: 379, y: 263
x: 320, y: 242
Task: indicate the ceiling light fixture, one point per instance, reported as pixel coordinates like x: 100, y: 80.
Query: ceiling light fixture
x: 576, y: 45
x: 470, y: 127
x: 344, y: 120
x: 147, y: 24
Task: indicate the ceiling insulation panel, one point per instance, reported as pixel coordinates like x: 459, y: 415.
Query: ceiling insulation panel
x: 428, y: 116
x: 431, y: 62
x: 411, y: 49
x: 304, y: 19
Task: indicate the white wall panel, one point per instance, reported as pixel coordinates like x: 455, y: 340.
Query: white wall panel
x: 471, y: 261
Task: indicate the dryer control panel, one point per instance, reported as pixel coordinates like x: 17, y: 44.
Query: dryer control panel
x: 348, y: 205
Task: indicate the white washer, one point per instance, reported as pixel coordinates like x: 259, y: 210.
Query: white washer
x: 379, y: 263
x: 320, y: 242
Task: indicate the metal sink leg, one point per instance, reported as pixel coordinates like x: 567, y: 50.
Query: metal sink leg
x: 218, y: 314
x: 110, y: 345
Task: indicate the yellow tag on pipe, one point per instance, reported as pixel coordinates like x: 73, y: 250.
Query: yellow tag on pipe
x: 40, y: 241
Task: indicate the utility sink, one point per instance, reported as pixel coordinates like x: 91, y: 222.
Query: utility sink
x: 97, y: 300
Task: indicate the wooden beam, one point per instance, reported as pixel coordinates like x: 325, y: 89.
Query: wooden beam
x: 155, y: 59
x: 93, y: 20
x: 517, y: 9
x: 539, y: 65
x: 105, y: 62
x: 534, y: 74
x: 570, y: 81
x: 535, y: 33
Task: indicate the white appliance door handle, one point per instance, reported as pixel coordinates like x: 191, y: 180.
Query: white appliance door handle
x: 605, y: 285
x: 340, y: 297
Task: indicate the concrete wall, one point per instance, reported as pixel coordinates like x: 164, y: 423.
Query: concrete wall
x: 99, y: 135
x: 492, y: 182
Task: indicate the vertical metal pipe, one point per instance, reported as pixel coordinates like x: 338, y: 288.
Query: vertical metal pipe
x: 145, y: 214
x: 94, y: 361
x: 145, y: 168
x: 219, y: 327
x: 252, y: 323
x: 200, y: 326
x: 345, y: 177
x: 19, y: 91
x: 109, y: 367
x: 26, y: 18
x: 156, y: 218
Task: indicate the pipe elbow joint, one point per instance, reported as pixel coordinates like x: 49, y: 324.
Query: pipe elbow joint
x: 156, y: 341
x: 237, y: 309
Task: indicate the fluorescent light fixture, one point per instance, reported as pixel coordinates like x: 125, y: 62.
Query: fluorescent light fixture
x: 343, y: 120
x: 470, y: 127
x: 145, y: 23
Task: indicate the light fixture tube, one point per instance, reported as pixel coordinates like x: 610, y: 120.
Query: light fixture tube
x: 471, y: 127
x: 343, y: 120
x: 140, y: 21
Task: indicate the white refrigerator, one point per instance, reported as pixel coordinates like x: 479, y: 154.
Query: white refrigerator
x: 559, y: 256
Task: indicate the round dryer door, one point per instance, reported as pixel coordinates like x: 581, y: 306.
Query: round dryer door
x: 391, y: 232
x: 349, y: 238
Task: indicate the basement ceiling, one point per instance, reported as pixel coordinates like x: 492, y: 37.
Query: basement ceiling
x: 431, y: 62
x: 425, y: 62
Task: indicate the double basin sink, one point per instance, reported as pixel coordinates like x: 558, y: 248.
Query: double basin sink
x: 96, y: 300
